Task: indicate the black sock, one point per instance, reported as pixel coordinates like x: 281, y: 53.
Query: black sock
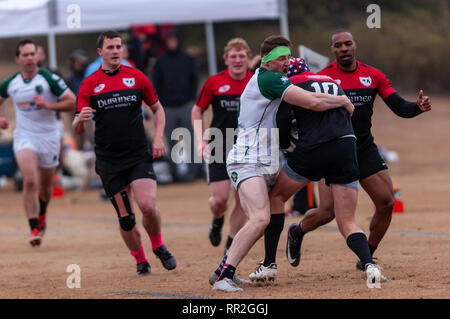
x: 272, y: 235
x: 372, y: 249
x: 34, y: 223
x: 359, y: 245
x: 227, y: 272
x: 217, y: 223
x: 42, y: 207
x: 229, y: 242
x: 298, y: 231
x: 222, y: 263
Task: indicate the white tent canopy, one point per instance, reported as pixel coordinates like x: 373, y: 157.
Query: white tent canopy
x: 34, y: 17
x: 22, y: 18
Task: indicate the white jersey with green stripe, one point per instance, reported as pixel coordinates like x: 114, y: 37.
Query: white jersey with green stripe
x: 257, y: 140
x: 29, y: 117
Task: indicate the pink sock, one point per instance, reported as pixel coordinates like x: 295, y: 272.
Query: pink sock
x: 156, y: 241
x: 139, y: 255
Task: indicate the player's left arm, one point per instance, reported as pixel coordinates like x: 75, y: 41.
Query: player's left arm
x: 158, y: 146
x: 399, y: 105
x: 407, y: 109
x: 151, y: 99
x: 65, y: 103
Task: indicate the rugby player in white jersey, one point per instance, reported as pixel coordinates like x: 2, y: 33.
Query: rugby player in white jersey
x: 37, y: 95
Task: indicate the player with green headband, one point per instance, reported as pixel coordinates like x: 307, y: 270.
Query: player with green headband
x: 255, y: 160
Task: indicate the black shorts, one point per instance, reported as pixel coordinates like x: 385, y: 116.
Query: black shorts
x: 334, y: 160
x: 369, y: 161
x: 114, y: 183
x: 217, y: 172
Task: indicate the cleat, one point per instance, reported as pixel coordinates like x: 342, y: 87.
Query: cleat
x: 263, y: 273
x: 227, y: 285
x: 42, y: 224
x: 167, y: 259
x: 238, y: 281
x: 143, y: 269
x: 360, y: 266
x: 215, y: 235
x: 35, y: 238
x: 293, y: 245
x: 373, y: 274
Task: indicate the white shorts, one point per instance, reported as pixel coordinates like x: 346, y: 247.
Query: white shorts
x: 47, y: 147
x: 239, y: 172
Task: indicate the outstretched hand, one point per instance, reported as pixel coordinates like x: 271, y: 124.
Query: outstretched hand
x: 423, y: 102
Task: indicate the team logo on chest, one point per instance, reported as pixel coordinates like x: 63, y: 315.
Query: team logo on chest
x: 128, y: 82
x: 39, y: 89
x: 366, y: 81
x: 99, y: 87
x: 224, y: 88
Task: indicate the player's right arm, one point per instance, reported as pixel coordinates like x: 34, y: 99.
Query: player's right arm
x: 83, y: 111
x: 318, y: 102
x: 4, y: 123
x: 197, y: 124
x: 79, y: 122
x: 204, y: 100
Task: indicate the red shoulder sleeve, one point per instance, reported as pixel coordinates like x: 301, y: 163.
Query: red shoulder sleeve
x: 206, y: 95
x: 383, y: 84
x: 148, y: 92
x: 83, y: 96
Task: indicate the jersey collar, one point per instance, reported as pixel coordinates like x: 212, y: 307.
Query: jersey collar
x: 111, y: 73
x: 356, y: 69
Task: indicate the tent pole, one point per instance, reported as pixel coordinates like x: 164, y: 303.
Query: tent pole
x: 211, y: 50
x: 52, y: 51
x: 51, y: 42
x: 284, y: 26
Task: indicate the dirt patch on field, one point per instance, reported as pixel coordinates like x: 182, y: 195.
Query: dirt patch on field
x: 83, y: 230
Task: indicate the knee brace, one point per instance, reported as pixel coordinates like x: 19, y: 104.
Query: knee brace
x: 127, y: 222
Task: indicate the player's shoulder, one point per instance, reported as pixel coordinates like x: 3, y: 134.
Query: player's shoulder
x: 264, y: 74
x: 91, y: 77
x: 370, y: 69
x: 219, y: 75
x: 326, y: 69
x: 48, y: 75
x: 5, y: 83
x: 129, y: 71
x: 330, y: 68
x: 310, y: 76
x: 216, y: 79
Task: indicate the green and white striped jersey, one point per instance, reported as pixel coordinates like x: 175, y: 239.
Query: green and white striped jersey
x: 257, y: 140
x: 29, y: 117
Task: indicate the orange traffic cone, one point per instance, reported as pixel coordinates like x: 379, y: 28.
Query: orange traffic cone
x: 58, y: 190
x: 398, y: 206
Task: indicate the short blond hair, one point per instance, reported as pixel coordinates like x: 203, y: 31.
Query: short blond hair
x: 238, y: 44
